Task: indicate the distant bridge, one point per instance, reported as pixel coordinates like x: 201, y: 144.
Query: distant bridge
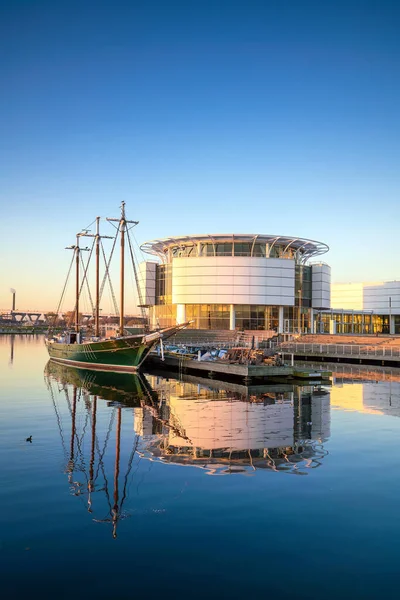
x: 19, y: 317
x: 16, y: 316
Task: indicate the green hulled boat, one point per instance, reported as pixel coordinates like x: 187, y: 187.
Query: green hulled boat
x: 122, y: 352
x: 126, y: 353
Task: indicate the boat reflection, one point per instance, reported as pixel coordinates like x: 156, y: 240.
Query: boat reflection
x: 222, y: 428
x: 81, y: 390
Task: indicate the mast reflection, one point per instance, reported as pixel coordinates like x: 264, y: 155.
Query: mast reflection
x: 12, y: 341
x: 221, y: 427
x: 81, y: 391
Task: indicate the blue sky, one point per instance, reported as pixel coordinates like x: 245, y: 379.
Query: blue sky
x: 242, y: 116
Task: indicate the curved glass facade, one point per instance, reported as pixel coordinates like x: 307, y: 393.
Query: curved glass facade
x: 353, y: 322
x: 255, y: 249
x: 217, y: 316
x: 247, y: 317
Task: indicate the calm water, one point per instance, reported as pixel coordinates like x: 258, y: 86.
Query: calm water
x: 178, y: 489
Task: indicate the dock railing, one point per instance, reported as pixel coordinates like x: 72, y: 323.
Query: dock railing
x: 339, y: 350
x: 219, y: 345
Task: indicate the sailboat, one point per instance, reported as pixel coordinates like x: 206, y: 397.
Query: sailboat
x: 122, y: 353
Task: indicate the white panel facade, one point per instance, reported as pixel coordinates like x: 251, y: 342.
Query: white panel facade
x: 321, y: 286
x: 233, y: 280
x: 383, y: 298
x: 348, y: 296
x: 147, y: 282
x: 380, y: 298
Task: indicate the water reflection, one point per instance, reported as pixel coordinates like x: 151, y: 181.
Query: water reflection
x: 86, y: 440
x: 354, y: 389
x: 222, y: 428
x: 12, y: 340
x: 226, y: 431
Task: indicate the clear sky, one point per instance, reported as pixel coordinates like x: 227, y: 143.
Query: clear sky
x: 204, y: 116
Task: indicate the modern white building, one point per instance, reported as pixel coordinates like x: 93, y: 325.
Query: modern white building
x: 236, y: 281
x: 368, y: 307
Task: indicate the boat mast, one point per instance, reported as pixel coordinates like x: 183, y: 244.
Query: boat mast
x: 97, y: 237
x: 77, y: 256
x: 122, y: 227
x: 122, y: 271
x: 97, y: 308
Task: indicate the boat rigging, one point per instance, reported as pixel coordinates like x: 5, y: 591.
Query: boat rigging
x: 125, y: 352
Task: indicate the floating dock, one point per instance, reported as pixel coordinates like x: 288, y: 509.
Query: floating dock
x: 236, y: 371
x: 235, y: 387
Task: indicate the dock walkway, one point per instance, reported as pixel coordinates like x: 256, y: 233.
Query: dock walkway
x: 226, y: 369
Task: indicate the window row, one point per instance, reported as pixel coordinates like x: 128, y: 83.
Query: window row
x: 232, y: 249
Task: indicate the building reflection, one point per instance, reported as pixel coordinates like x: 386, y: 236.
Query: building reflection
x: 273, y: 427
x: 222, y: 428
x: 354, y: 389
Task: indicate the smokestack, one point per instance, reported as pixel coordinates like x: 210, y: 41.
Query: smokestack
x: 13, y: 303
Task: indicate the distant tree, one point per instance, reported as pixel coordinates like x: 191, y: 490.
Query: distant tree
x: 69, y: 317
x: 110, y: 320
x: 51, y: 318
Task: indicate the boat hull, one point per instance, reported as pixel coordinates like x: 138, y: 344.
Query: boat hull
x: 124, y: 354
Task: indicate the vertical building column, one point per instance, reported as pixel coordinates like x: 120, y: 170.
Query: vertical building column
x: 266, y: 318
x: 391, y: 324
x: 180, y: 313
x: 152, y: 318
x: 280, y: 323
x: 332, y: 326
x: 232, y: 317
x: 312, y: 328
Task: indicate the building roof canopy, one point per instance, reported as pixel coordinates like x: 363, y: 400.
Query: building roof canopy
x: 304, y: 248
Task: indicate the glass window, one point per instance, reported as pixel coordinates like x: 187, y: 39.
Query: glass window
x: 259, y: 250
x: 397, y: 324
x: 224, y: 249
x: 163, y: 315
x: 164, y: 284
x: 207, y: 249
x: 274, y: 252
x: 303, y: 290
x: 250, y: 317
x: 243, y: 248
